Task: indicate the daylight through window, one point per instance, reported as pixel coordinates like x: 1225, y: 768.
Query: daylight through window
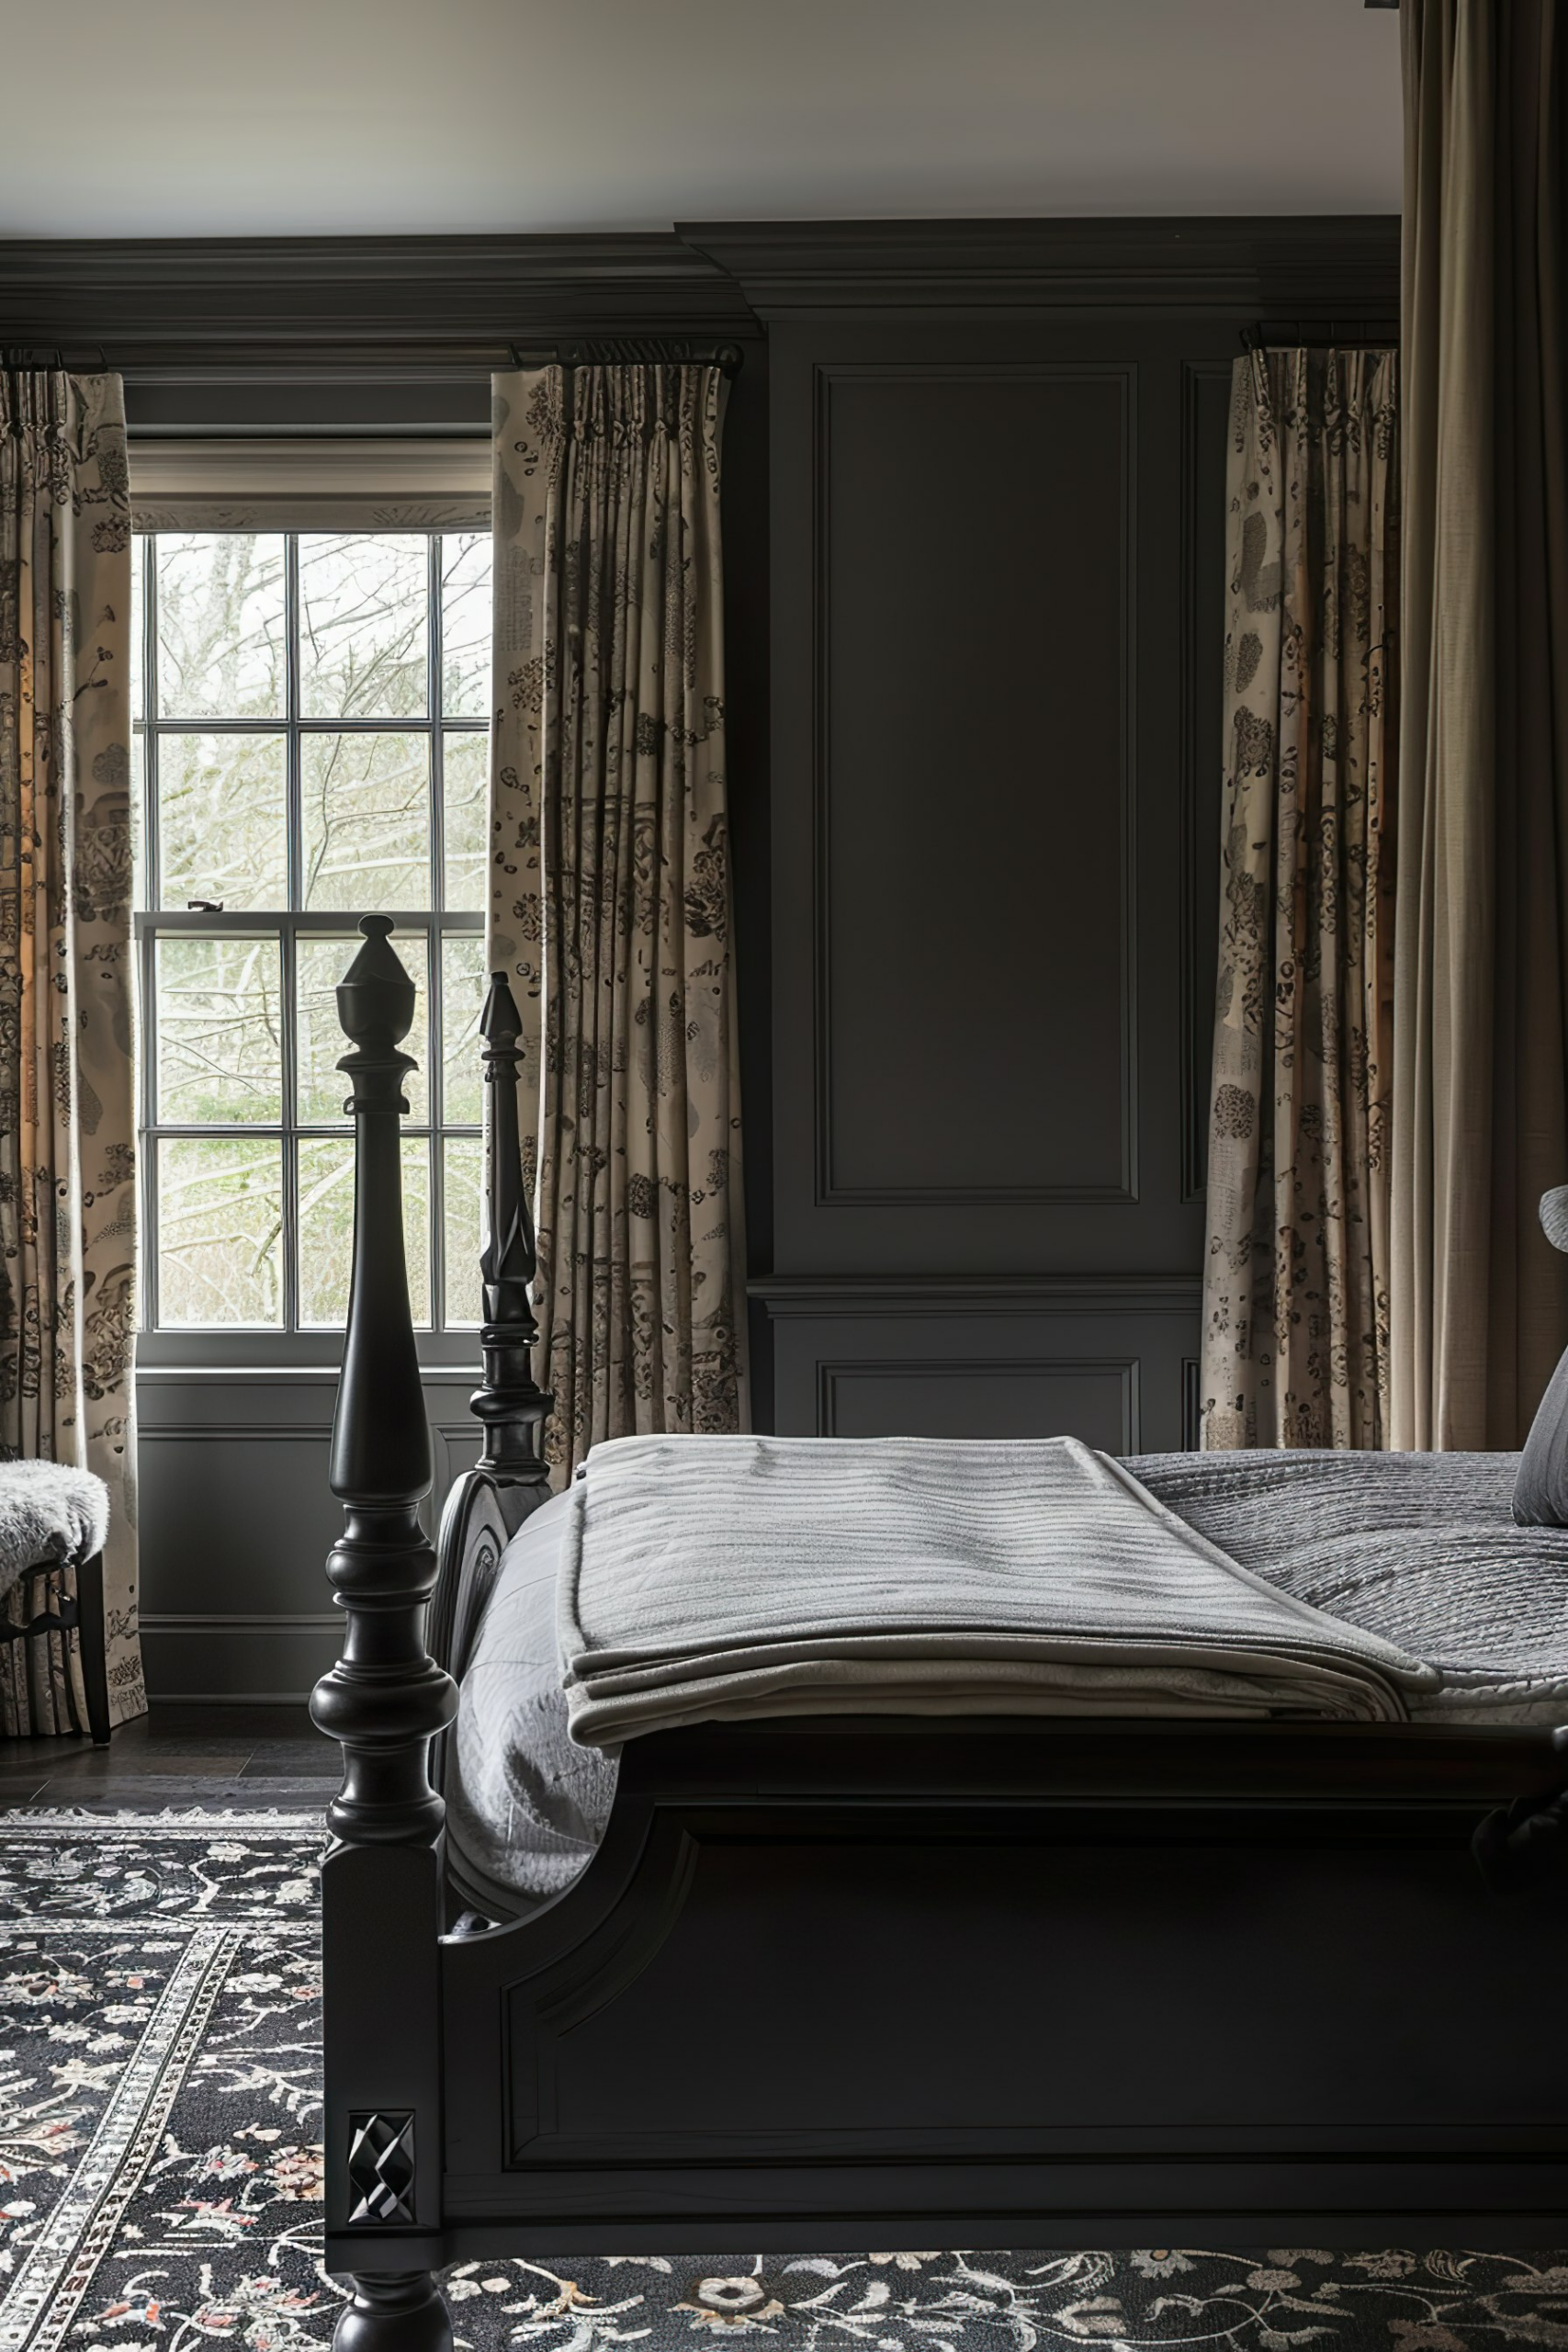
x: 310, y: 739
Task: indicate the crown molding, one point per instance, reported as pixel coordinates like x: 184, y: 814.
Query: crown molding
x: 354, y: 303
x: 1331, y: 266
x: 438, y: 305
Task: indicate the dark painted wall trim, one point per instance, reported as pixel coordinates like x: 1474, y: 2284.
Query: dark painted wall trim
x: 354, y: 300
x: 1320, y: 268
x: 819, y: 1294
x: 376, y: 301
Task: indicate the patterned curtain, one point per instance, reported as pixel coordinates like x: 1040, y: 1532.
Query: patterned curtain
x: 1296, y: 1277
x: 67, y: 1099
x: 1479, y: 1130
x: 610, y: 890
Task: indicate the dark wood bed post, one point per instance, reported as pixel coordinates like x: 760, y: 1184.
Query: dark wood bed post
x: 486, y: 1507
x: 509, y: 1403
x: 384, y: 1702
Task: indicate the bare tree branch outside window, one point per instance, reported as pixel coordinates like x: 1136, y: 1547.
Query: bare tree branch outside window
x: 310, y: 746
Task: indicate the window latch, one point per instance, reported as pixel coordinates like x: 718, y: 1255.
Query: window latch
x: 204, y: 906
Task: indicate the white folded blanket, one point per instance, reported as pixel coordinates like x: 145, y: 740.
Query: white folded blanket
x: 753, y: 1575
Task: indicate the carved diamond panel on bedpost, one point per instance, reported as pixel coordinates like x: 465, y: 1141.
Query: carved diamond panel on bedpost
x: 384, y: 1702
x: 509, y: 1479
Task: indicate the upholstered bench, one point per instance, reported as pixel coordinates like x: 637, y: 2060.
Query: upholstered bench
x: 52, y: 1517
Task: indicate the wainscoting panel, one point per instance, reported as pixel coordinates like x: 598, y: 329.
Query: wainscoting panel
x: 236, y: 1519
x: 989, y: 1397
x: 1027, y: 1360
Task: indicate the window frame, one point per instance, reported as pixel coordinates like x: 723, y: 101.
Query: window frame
x: 234, y: 1345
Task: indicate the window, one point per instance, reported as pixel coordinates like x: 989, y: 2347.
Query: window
x: 310, y: 739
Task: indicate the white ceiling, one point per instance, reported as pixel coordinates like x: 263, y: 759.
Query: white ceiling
x: 257, y: 117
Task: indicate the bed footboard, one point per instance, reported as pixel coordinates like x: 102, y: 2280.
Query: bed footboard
x: 832, y: 1985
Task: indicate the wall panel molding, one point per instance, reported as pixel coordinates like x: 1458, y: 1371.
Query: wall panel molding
x: 970, y: 383
x: 815, y: 1296
x: 984, y: 1365
x: 944, y: 1382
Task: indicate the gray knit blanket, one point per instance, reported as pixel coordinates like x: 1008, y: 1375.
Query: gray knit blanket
x: 720, y: 1576
x: 49, y: 1513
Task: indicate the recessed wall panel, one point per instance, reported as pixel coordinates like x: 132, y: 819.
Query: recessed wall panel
x: 974, y: 846
x: 1093, y: 1401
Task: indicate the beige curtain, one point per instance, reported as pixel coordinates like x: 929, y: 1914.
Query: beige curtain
x: 1481, y: 1123
x: 67, y: 1102
x: 610, y: 897
x: 1295, y: 1303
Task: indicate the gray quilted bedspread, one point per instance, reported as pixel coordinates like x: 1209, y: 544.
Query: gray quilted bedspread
x: 1421, y: 1548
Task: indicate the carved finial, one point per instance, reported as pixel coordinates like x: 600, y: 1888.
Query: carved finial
x: 500, y: 1023
x: 375, y: 996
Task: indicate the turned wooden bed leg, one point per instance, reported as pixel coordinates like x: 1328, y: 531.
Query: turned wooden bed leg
x: 384, y: 1702
x: 401, y: 2311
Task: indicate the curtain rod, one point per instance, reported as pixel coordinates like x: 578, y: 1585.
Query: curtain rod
x: 1374, y: 335
x: 664, y: 351
x: 54, y: 356
x: 607, y: 352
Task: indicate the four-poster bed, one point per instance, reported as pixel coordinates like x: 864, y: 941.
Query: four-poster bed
x: 885, y: 1980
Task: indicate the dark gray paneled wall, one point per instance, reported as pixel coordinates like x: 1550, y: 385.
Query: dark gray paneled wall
x: 998, y: 550
x: 998, y: 555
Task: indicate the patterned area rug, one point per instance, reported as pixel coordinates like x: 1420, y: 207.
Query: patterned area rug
x: 160, y: 2166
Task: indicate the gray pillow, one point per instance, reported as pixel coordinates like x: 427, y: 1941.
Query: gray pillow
x: 1541, y: 1490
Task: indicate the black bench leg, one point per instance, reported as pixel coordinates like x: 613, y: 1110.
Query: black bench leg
x: 395, y: 2312
x: 94, y: 1661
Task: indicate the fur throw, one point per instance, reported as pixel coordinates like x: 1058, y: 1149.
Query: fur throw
x: 49, y: 1513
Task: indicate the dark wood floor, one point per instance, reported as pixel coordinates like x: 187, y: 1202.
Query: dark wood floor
x: 229, y: 1757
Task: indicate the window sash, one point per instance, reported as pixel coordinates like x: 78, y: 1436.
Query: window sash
x: 289, y: 925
